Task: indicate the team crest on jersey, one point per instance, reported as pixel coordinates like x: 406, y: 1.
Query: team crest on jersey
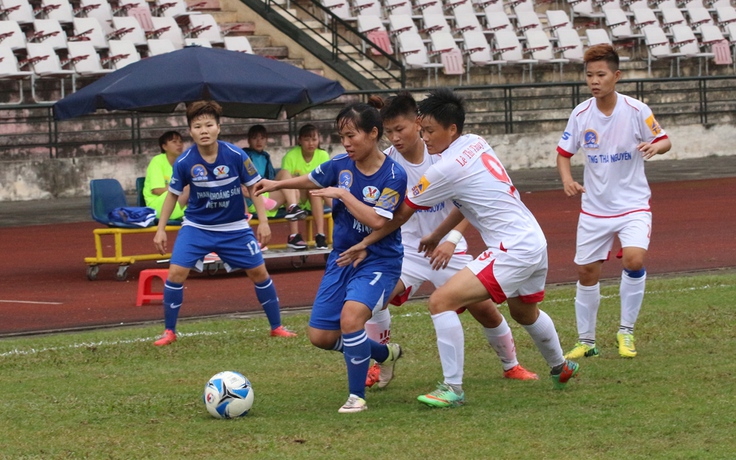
x: 421, y: 186
x: 221, y: 172
x: 370, y: 194
x: 389, y: 199
x: 590, y: 139
x: 653, y: 125
x: 345, y: 179
x: 199, y: 173
x: 249, y: 167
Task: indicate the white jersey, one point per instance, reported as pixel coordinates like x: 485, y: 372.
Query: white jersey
x: 614, y: 179
x: 424, y: 221
x: 470, y: 174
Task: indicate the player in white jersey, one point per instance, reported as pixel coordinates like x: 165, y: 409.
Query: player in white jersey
x: 616, y: 134
x: 513, y: 268
x: 402, y: 128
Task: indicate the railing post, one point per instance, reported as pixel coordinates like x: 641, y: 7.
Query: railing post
x: 508, y: 112
x: 703, y: 99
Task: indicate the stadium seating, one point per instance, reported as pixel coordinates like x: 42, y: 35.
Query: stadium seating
x: 48, y: 31
x: 540, y: 49
x: 122, y: 53
x: 444, y: 45
x: 10, y: 70
x: 659, y: 47
x: 478, y: 50
x: 11, y: 35
x: 166, y: 28
x: 509, y: 47
x: 238, y: 43
x: 688, y: 45
x: 85, y: 60
x: 129, y: 29
x: 205, y: 26
x: 90, y: 29
x: 19, y: 11
x: 375, y: 31
x: 46, y: 65
x: 570, y: 45
x: 158, y: 46
x: 98, y: 9
x: 60, y: 10
x: 414, y: 54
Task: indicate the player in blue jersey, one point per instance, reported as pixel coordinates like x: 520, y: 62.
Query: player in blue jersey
x: 366, y: 187
x: 215, y: 218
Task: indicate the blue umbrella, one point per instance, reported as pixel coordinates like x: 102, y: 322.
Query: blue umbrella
x: 246, y: 85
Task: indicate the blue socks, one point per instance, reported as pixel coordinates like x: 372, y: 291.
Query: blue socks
x: 266, y: 293
x: 173, y: 297
x: 357, y: 351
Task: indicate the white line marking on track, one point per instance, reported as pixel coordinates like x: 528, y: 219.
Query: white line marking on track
x: 31, y: 302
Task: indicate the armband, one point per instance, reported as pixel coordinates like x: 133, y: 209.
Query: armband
x: 454, y: 237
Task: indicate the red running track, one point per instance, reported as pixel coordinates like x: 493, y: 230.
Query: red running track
x: 45, y: 286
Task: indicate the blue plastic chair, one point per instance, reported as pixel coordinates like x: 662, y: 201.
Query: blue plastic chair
x: 140, y: 200
x: 106, y: 195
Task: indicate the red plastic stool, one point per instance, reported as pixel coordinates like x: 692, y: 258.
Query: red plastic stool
x: 144, y: 285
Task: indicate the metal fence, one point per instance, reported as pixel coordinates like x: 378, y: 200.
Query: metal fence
x: 30, y: 132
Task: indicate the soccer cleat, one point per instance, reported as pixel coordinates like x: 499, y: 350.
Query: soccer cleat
x: 295, y: 213
x: 320, y: 241
x: 353, y: 404
x: 582, y: 350
x: 281, y: 331
x: 626, y: 346
x: 569, y: 370
x: 296, y: 242
x: 519, y: 373
x: 167, y: 338
x: 387, y: 367
x: 443, y: 396
x: 373, y: 373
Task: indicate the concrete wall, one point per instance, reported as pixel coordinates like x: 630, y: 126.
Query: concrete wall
x: 44, y: 179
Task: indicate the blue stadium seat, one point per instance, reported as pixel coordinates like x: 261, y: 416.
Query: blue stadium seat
x: 106, y: 195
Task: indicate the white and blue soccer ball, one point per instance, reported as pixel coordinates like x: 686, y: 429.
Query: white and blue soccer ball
x: 228, y: 395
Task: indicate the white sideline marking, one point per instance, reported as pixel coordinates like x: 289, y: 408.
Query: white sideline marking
x: 32, y: 351
x: 30, y: 301
x: 648, y: 292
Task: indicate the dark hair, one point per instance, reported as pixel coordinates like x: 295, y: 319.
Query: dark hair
x: 166, y: 137
x: 308, y: 130
x: 363, y: 116
x: 256, y: 130
x: 401, y: 105
x: 198, y: 108
x: 602, y: 52
x: 446, y: 107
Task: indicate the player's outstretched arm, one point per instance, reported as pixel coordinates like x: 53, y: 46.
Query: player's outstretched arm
x: 569, y: 185
x: 402, y: 214
x: 658, y: 148
x: 159, y: 240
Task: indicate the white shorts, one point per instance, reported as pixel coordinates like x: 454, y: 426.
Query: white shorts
x: 507, y: 276
x: 416, y: 269
x: 595, y: 235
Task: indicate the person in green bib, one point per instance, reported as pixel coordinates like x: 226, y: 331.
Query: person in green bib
x: 158, y: 175
x: 300, y: 161
x: 257, y: 140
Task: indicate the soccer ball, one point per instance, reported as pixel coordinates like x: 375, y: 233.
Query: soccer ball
x: 228, y: 395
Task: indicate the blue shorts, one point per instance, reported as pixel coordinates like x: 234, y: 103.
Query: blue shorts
x: 236, y: 249
x: 370, y: 283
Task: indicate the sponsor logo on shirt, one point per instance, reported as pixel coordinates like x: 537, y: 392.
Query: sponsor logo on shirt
x: 590, y: 139
x: 345, y: 179
x: 199, y: 173
x: 221, y: 172
x: 249, y: 167
x: 420, y: 187
x: 565, y: 136
x: 389, y: 199
x: 653, y: 125
x: 370, y: 194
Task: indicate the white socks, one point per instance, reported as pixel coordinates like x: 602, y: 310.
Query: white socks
x: 632, y: 295
x: 378, y: 327
x: 451, y: 345
x: 545, y: 338
x: 502, y: 342
x: 587, y: 301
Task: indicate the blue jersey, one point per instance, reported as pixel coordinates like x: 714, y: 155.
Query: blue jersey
x: 384, y: 191
x: 215, y: 194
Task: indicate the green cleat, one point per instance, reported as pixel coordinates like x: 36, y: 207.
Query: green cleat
x: 443, y: 396
x: 626, y: 346
x: 569, y: 370
x: 582, y: 350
